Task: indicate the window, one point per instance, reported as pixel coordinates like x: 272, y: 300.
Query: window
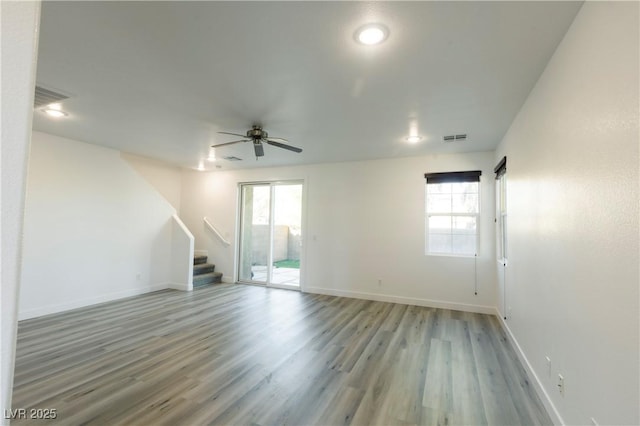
x: 501, y: 209
x: 453, y: 213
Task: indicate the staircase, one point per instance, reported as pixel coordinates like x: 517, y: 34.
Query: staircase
x: 204, y: 273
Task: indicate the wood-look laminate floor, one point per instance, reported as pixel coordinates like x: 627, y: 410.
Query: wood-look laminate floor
x: 235, y: 354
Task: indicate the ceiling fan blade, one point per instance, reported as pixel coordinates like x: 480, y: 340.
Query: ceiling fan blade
x: 277, y: 139
x: 282, y: 145
x: 234, y: 134
x: 259, y: 149
x: 229, y: 143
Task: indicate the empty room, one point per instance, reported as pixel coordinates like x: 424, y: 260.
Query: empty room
x: 320, y: 213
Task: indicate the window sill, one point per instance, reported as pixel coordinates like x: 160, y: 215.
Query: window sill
x: 451, y: 255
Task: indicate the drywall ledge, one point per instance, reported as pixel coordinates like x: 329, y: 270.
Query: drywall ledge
x: 182, y: 252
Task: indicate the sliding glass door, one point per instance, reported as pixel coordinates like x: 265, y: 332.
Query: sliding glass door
x: 270, y: 233
x: 254, y: 233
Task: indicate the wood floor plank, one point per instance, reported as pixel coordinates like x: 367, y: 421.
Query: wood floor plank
x: 408, y: 389
x: 342, y: 408
x: 466, y: 385
x: 234, y: 354
x: 497, y: 402
x: 437, y: 400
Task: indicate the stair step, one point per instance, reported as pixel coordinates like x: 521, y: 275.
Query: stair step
x: 204, y: 279
x: 203, y: 268
x: 199, y: 259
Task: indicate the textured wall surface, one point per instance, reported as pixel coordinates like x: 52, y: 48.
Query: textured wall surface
x: 95, y: 230
x: 19, y: 50
x: 572, y: 170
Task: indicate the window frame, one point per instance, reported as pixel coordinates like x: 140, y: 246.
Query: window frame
x: 453, y: 177
x: 502, y: 243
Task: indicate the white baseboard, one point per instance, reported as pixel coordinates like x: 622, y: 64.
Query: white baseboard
x: 403, y: 300
x: 533, y: 377
x: 81, y: 303
x: 181, y: 286
x: 227, y: 279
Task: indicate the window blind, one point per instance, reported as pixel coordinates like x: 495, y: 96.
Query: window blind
x: 449, y: 177
x: 501, y: 168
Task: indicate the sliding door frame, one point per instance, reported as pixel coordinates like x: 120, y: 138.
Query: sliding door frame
x: 239, y: 218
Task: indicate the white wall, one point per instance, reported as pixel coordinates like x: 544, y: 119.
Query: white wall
x: 19, y: 38
x: 365, y: 221
x: 94, y: 229
x: 166, y: 179
x: 572, y: 279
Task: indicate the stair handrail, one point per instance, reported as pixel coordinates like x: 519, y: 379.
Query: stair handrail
x: 216, y: 232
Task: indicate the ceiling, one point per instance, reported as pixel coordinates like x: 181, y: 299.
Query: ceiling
x: 160, y: 79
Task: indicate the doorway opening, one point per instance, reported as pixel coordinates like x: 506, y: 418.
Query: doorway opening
x: 271, y: 234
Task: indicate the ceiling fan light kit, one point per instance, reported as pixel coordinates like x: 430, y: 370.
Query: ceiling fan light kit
x: 258, y: 136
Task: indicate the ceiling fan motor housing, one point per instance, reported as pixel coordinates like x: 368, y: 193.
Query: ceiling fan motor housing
x: 258, y: 137
x: 257, y: 133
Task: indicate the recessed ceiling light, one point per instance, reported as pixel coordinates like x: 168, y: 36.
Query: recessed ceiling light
x: 414, y: 139
x: 54, y: 110
x: 54, y: 113
x: 371, y: 34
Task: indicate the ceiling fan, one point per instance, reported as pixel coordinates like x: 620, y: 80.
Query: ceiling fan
x: 257, y: 135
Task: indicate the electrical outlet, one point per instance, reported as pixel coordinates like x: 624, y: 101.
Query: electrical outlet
x: 548, y: 366
x: 561, y: 384
x: 380, y: 282
x: 138, y: 276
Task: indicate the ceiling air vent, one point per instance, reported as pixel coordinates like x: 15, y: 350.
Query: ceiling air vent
x: 232, y: 158
x: 454, y: 138
x: 46, y: 97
